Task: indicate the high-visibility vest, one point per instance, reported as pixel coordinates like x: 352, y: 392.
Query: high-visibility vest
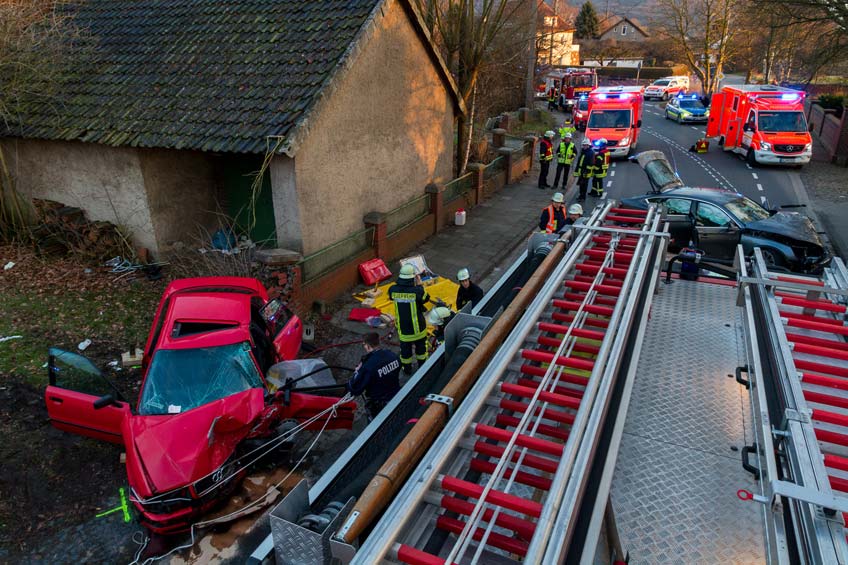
x: 552, y: 96
x: 551, y: 226
x: 565, y: 153
x: 546, y: 151
x: 566, y: 129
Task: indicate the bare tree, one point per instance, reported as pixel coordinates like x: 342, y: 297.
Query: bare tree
x: 466, y: 30
x: 606, y: 51
x: 37, y: 39
x: 703, y: 31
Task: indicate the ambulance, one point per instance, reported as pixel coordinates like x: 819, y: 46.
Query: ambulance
x: 666, y: 87
x: 615, y: 113
x: 765, y: 123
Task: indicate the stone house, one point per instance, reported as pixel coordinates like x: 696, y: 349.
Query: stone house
x: 179, y: 104
x: 622, y: 28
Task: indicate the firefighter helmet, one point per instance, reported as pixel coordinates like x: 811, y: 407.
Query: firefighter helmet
x: 557, y: 197
x: 549, y: 134
x: 438, y: 315
x: 407, y: 272
x: 586, y: 142
x: 463, y: 275
x: 575, y: 209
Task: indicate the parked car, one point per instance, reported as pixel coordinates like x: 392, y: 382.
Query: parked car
x: 666, y: 87
x: 716, y: 220
x: 205, y: 411
x: 581, y: 113
x: 686, y: 109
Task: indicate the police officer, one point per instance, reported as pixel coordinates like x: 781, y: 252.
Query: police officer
x: 553, y: 215
x: 409, y: 298
x: 601, y: 162
x: 565, y: 157
x: 376, y: 376
x: 546, y: 155
x: 468, y: 291
x: 439, y: 317
x: 585, y: 168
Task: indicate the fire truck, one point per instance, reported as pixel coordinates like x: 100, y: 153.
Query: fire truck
x: 765, y: 123
x: 576, y: 83
x: 615, y: 114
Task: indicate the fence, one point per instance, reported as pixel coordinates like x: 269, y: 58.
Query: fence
x: 457, y: 188
x: 322, y: 261
x: 494, y: 168
x: 406, y: 214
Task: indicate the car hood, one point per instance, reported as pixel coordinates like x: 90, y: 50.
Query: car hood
x: 165, y: 452
x: 789, y: 224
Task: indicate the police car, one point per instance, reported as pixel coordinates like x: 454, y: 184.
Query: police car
x: 686, y: 109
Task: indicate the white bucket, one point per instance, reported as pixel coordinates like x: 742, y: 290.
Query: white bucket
x: 459, y: 218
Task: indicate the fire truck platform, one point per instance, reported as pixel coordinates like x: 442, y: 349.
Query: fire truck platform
x: 679, y: 465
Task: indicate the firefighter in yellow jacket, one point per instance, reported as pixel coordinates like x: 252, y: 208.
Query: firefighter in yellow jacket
x: 409, y: 298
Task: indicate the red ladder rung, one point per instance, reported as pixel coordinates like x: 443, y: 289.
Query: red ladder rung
x: 545, y: 357
x: 820, y: 351
x: 800, y: 279
x: 550, y: 397
x: 818, y: 341
x: 607, y: 289
x: 549, y: 414
x: 593, y: 270
x: 625, y: 244
x: 810, y: 318
x: 830, y: 327
x: 523, y: 477
x: 624, y: 219
x: 576, y: 332
x: 590, y: 308
x: 819, y: 380
x: 589, y: 320
x: 836, y: 462
x: 543, y: 429
x: 564, y: 376
x: 524, y: 528
x: 830, y: 417
x: 530, y: 460
x: 411, y: 556
x: 599, y: 299
x: 831, y: 437
x: 601, y: 253
x: 827, y: 399
x: 495, y: 539
x: 563, y: 390
x: 838, y: 483
x: 820, y: 368
x: 823, y: 305
x: 630, y: 211
x: 523, y: 440
x: 579, y: 347
x: 511, y: 501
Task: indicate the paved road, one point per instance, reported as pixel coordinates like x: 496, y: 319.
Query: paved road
x: 770, y: 186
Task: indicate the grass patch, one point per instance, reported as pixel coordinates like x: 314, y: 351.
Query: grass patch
x: 545, y: 122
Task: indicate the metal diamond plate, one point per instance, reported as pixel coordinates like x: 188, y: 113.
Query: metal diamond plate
x: 675, y: 483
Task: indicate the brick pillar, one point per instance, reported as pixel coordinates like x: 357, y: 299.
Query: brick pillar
x: 477, y: 181
x: 524, y: 115
x: 437, y: 205
x: 534, y: 141
x: 498, y: 137
x: 507, y: 153
x: 377, y: 220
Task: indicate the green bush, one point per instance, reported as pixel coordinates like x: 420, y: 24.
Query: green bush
x: 833, y: 102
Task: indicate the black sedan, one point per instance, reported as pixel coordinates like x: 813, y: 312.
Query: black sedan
x: 716, y: 220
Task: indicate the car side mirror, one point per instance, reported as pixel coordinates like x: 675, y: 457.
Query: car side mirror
x: 638, y: 123
x: 104, y: 401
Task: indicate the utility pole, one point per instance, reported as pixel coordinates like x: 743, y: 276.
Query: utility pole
x: 530, y: 82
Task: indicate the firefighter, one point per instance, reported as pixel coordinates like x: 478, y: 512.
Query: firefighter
x: 552, y: 99
x: 566, y: 128
x: 546, y: 155
x: 601, y: 163
x: 467, y: 291
x: 409, y: 298
x: 439, y: 317
x: 553, y: 215
x: 565, y: 157
x: 575, y: 213
x: 585, y: 168
x: 376, y: 376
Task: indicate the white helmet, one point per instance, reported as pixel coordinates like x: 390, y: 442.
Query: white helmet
x: 438, y: 315
x: 557, y: 197
x: 407, y: 271
x: 568, y: 135
x: 463, y: 275
x: 575, y: 209
x: 586, y: 142
x: 549, y: 133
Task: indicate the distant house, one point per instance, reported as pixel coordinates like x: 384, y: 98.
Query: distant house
x: 555, y: 44
x: 622, y: 28
x: 180, y: 102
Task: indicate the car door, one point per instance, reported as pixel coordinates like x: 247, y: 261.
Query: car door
x: 717, y: 234
x: 75, y: 385
x: 672, y: 108
x: 678, y: 214
x: 749, y: 129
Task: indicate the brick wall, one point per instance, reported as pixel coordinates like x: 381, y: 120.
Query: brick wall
x: 832, y: 132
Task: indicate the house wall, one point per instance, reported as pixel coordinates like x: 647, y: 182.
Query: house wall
x: 286, y: 205
x: 633, y: 34
x: 182, y: 194
x: 106, y: 182
x: 384, y: 133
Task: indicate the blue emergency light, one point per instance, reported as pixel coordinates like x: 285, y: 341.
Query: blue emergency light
x: 788, y: 96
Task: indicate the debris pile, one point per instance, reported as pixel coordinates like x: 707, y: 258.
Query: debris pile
x: 65, y: 229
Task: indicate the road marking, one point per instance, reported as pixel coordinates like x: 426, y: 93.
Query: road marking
x: 755, y: 176
x: 763, y: 199
x: 749, y: 166
x: 612, y: 174
x: 609, y: 183
x: 694, y: 128
x: 604, y: 196
x: 759, y: 187
x: 613, y: 165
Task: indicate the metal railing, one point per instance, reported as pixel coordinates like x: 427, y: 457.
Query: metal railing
x: 494, y: 168
x: 458, y: 187
x: 316, y: 264
x: 407, y: 213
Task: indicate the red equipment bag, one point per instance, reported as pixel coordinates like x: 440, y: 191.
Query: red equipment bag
x: 374, y: 271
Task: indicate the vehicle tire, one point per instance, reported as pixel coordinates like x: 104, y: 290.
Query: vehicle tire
x: 667, y: 117
x: 772, y: 258
x: 665, y: 96
x: 721, y: 141
x: 751, y: 158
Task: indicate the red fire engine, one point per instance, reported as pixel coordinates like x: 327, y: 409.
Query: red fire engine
x: 615, y: 113
x: 765, y: 123
x: 576, y: 83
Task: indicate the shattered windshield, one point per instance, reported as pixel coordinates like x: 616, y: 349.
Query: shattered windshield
x: 782, y: 121
x: 746, y: 210
x: 182, y: 379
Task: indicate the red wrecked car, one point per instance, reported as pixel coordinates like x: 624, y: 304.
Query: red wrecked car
x: 205, y: 411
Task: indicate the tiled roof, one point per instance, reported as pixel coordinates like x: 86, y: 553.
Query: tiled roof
x: 210, y: 75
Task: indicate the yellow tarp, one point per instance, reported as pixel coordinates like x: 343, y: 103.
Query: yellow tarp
x: 436, y: 287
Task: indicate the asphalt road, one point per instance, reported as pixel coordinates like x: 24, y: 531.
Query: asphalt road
x: 769, y: 185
